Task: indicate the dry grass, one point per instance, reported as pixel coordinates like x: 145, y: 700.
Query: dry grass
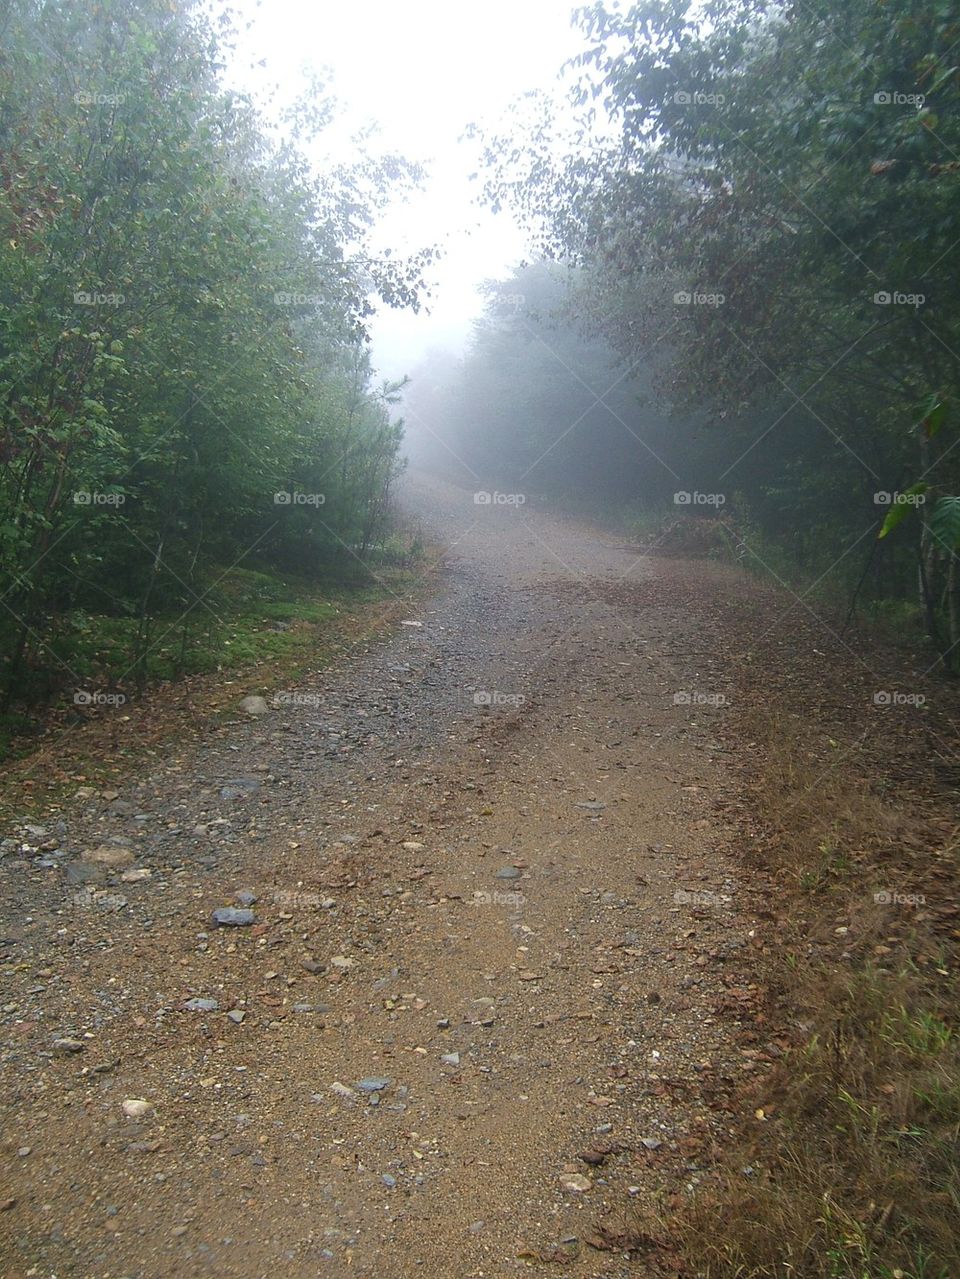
x: 855, y: 1176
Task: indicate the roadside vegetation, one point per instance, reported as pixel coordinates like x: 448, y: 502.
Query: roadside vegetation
x: 185, y: 382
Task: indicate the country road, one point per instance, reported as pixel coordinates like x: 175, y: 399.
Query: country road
x: 470, y: 1024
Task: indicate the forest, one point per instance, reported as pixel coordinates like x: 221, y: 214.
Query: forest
x: 185, y: 377
x: 746, y: 283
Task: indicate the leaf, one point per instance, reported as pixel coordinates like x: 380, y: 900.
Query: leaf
x: 899, y: 510
x: 945, y: 522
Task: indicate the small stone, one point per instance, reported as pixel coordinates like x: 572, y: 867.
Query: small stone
x: 110, y: 855
x: 231, y: 917
x: 388, y: 1181
x: 236, y: 1015
x: 67, y: 1045
x: 245, y: 897
x: 342, y: 963
x: 136, y: 875
x: 594, y: 1157
x: 24, y: 1151
x: 239, y: 787
x: 136, y: 1108
x: 374, y: 1083
x: 443, y: 1023
x: 451, y: 1059
x: 508, y: 872
x: 592, y: 806
x: 651, y: 1143
x: 575, y: 1182
x: 201, y: 1005
x: 413, y: 846
x: 313, y: 966
x: 255, y: 706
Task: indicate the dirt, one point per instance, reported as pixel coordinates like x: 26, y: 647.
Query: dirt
x: 493, y: 858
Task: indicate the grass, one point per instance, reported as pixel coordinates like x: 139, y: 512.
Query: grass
x: 253, y: 619
x: 857, y: 1175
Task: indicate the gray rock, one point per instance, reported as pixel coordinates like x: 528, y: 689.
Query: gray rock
x: 231, y: 917
x: 201, y: 1005
x: 374, y: 1083
x: 81, y: 873
x: 509, y: 872
x: 67, y: 1045
x: 236, y: 1015
x: 239, y: 787
x: 592, y: 806
x: 255, y: 706
x: 451, y: 1059
x: 245, y: 897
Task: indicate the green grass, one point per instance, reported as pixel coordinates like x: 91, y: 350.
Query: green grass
x: 251, y: 618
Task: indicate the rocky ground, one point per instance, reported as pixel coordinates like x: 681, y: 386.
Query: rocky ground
x: 435, y: 967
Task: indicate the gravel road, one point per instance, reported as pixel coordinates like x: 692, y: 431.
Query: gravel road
x: 475, y: 1017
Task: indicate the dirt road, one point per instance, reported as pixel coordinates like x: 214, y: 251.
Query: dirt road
x: 472, y: 1027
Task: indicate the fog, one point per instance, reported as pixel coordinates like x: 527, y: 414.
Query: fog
x: 420, y: 71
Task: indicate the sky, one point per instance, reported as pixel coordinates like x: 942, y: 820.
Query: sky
x: 422, y: 70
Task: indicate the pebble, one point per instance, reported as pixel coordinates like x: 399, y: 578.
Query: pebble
x: 508, y: 872
x: 136, y: 1108
x: 374, y: 1083
x: 110, y: 855
x: 651, y: 1143
x: 239, y: 787
x: 575, y: 1182
x: 67, y: 1045
x: 451, y: 1059
x: 592, y: 806
x: 255, y: 706
x: 201, y: 1005
x: 245, y: 897
x: 236, y: 1015
x: 231, y: 917
x: 136, y: 875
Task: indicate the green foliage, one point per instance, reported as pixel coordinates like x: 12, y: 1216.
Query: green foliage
x: 182, y: 308
x: 774, y: 209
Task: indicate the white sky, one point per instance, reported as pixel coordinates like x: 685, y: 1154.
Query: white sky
x: 423, y: 69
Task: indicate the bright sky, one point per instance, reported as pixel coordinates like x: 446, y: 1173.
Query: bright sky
x: 423, y: 69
